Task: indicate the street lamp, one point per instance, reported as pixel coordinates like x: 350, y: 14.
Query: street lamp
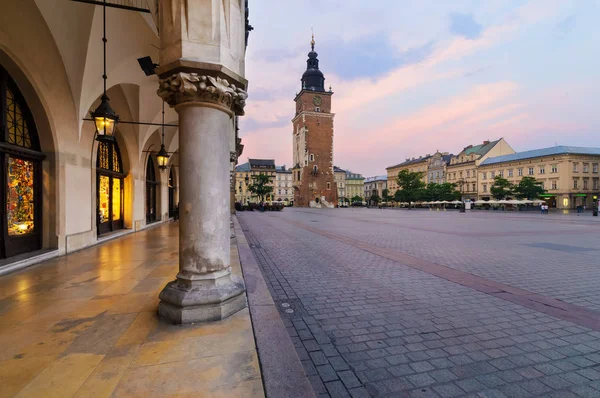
x: 105, y: 118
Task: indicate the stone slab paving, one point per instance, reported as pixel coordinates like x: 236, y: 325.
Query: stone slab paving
x: 371, y: 314
x: 86, y: 325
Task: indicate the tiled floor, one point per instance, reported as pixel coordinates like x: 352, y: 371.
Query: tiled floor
x: 86, y: 325
x: 397, y: 303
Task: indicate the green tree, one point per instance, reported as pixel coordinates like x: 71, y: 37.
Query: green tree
x: 375, y: 198
x: 412, y: 188
x: 501, y: 188
x: 260, y: 186
x: 357, y: 198
x: 448, y: 192
x: 529, y: 188
x: 385, y: 195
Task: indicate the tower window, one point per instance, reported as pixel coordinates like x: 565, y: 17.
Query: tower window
x: 328, y: 185
x: 317, y: 109
x: 312, y: 157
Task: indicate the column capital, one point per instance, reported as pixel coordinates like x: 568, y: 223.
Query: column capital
x: 189, y: 87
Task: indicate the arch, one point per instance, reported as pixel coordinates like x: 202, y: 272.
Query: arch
x: 21, y: 179
x: 41, y: 140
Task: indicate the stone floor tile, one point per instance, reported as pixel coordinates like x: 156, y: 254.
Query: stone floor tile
x: 63, y: 377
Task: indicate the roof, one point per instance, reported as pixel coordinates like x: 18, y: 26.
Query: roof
x: 353, y: 176
x: 376, y: 178
x: 447, y: 158
x: 338, y: 170
x: 410, y: 161
x: 480, y: 149
x: 262, y: 162
x: 536, y: 153
x: 282, y: 169
x: 243, y: 167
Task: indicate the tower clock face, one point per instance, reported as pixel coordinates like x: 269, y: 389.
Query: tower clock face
x: 317, y: 100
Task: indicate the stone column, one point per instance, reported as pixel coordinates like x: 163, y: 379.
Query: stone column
x: 201, y: 77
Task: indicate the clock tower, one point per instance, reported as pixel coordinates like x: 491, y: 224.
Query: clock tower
x: 313, y: 177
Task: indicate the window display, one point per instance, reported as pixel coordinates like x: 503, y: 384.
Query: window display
x: 20, y: 196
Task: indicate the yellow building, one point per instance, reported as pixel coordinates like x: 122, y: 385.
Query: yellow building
x: 462, y: 169
x: 569, y: 174
x: 243, y: 178
x: 354, y: 185
x: 420, y: 165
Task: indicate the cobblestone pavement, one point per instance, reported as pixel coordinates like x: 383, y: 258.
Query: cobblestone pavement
x: 396, y: 303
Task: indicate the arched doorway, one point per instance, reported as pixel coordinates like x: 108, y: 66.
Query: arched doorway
x: 151, y: 185
x: 171, y: 193
x: 109, y: 187
x: 20, y: 173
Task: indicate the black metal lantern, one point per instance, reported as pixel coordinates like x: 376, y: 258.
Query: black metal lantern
x: 162, y: 158
x: 105, y: 119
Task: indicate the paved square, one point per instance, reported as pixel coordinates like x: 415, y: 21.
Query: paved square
x: 395, y: 303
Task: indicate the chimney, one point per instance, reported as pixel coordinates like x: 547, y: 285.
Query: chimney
x: 407, y: 159
x: 485, y: 142
x: 428, y: 155
x: 469, y: 146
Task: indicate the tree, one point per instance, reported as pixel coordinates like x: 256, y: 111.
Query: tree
x: 375, y: 198
x: 260, y: 187
x: 411, y: 187
x: 357, y: 198
x: 385, y: 195
x: 449, y: 192
x: 501, y: 188
x: 529, y: 188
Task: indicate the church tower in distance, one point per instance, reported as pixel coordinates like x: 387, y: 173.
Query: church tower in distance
x: 314, y: 183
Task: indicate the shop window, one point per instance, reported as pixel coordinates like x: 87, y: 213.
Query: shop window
x: 21, y: 158
x: 109, y: 168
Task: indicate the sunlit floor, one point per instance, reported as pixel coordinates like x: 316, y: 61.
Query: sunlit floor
x: 86, y: 325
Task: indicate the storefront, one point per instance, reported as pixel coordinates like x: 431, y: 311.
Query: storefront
x: 151, y: 187
x: 109, y: 169
x: 21, y: 173
x: 171, y: 193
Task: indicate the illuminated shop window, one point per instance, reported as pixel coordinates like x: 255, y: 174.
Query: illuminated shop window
x: 20, y: 196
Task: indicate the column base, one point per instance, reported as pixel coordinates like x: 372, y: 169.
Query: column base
x: 210, y: 297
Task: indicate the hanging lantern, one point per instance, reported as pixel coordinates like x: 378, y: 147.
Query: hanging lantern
x: 105, y: 120
x: 162, y: 157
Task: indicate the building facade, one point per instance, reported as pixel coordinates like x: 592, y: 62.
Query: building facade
x: 354, y: 185
x: 374, y: 186
x: 436, y: 167
x: 462, y: 170
x: 569, y: 174
x: 68, y: 186
x: 339, y: 176
x: 284, y: 191
x: 414, y: 165
x: 313, y: 177
x: 245, y: 174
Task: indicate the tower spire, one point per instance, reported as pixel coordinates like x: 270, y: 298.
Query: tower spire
x: 313, y: 78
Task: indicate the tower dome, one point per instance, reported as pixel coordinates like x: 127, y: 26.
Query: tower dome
x: 313, y: 78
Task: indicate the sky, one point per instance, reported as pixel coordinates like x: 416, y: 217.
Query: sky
x: 413, y: 77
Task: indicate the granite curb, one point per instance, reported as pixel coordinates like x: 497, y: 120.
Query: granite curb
x: 282, y: 371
